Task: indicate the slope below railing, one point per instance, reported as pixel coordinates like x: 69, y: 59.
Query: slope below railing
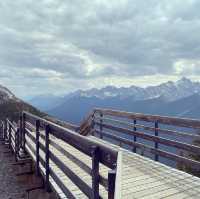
x: 64, y: 124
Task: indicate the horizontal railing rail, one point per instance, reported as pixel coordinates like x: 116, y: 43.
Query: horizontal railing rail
x: 11, y: 136
x: 182, y: 122
x: 40, y: 137
x: 160, y: 137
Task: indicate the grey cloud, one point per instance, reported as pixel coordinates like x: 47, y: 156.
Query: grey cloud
x: 84, y: 40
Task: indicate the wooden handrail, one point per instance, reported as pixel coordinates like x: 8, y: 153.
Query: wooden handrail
x: 164, y: 141
x: 153, y: 132
x: 182, y: 122
x: 86, y: 124
x: 103, y: 154
x: 108, y: 155
x: 113, y: 124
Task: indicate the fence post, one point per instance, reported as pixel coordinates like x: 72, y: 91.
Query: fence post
x: 101, y: 127
x: 93, y: 125
x: 135, y: 137
x: 16, y: 144
x: 9, y: 135
x: 111, y: 184
x: 23, y: 130
x: 156, y: 134
x: 95, y: 172
x: 3, y: 129
x: 20, y: 131
x: 18, y: 141
x: 5, y: 132
x: 47, y: 131
x: 37, y: 124
x: 22, y: 137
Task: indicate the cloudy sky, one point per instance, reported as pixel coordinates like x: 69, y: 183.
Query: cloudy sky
x: 56, y: 46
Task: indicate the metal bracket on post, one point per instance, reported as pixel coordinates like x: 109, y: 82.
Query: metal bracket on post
x: 95, y: 172
x: 47, y: 171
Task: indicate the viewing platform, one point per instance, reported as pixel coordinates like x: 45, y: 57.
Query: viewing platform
x: 112, y: 154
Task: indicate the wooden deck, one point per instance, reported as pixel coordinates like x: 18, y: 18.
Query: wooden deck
x: 139, y: 177
x: 75, y: 164
x: 74, y: 167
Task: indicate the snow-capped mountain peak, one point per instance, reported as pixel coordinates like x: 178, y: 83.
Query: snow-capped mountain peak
x: 170, y: 91
x: 5, y: 94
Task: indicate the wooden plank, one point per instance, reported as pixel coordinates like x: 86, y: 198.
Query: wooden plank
x: 118, y: 181
x: 62, y: 185
x: 81, y: 184
x: 141, y: 176
x: 77, y: 161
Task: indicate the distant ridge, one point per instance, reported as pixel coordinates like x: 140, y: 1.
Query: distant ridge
x: 11, y: 106
x: 169, y: 91
x: 180, y: 98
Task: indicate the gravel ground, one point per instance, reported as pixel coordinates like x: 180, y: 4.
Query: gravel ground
x: 13, y: 186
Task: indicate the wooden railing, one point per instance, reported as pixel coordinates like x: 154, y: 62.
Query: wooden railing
x: 166, y: 139
x: 158, y: 137
x: 37, y: 136
x: 10, y: 136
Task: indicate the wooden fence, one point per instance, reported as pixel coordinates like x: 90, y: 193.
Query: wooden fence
x: 158, y: 136
x: 45, y: 132
x: 163, y: 137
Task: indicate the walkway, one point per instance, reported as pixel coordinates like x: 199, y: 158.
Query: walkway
x: 142, y: 178
x: 138, y: 177
x: 71, y: 163
x: 14, y: 186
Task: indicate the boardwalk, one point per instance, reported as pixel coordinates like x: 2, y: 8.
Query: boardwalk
x: 143, y: 178
x: 74, y: 167
x: 10, y: 187
x: 79, y: 166
x: 140, y: 177
x: 16, y: 186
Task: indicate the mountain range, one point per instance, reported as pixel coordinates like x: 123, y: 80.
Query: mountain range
x: 180, y: 98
